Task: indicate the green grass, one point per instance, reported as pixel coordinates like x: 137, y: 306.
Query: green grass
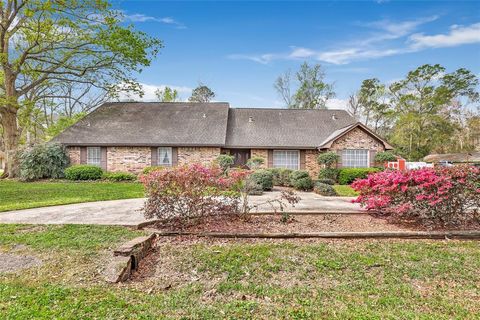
x: 16, y: 195
x: 345, y: 191
x: 376, y: 279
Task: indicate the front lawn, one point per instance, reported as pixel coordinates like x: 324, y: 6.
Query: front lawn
x: 191, y: 279
x: 345, y: 190
x: 16, y: 195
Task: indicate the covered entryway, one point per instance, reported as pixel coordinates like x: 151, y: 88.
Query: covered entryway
x: 241, y: 156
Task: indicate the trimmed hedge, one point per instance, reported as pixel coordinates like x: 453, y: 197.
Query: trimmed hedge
x: 225, y: 161
x: 348, y: 175
x: 83, y: 172
x: 255, y: 162
x: 326, y: 181
x: 264, y: 178
x: 301, y: 180
x: 325, y: 189
x: 119, y: 176
x: 281, y: 176
x: 328, y: 173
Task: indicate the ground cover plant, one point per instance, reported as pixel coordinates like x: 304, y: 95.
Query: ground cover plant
x: 232, y: 279
x: 442, y: 196
x: 15, y: 195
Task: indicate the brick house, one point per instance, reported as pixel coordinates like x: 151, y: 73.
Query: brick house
x: 128, y: 136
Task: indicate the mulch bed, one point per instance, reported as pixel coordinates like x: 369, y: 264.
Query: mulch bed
x: 296, y: 224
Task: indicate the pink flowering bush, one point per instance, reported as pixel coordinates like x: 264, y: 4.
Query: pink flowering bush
x: 194, y: 191
x: 441, y: 196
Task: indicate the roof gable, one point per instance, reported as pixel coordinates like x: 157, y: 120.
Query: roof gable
x: 337, y: 134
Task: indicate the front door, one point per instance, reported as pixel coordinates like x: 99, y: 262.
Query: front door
x: 240, y: 156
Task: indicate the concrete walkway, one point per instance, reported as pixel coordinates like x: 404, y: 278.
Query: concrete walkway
x: 128, y: 212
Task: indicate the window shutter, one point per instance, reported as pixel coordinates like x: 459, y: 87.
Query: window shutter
x: 372, y: 155
x: 339, y: 164
x: 83, y: 155
x: 174, y: 157
x: 302, y: 159
x: 270, y: 159
x: 154, y: 156
x: 103, y: 158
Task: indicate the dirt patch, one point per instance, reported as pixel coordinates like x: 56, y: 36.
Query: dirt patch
x: 13, y: 262
x: 295, y: 224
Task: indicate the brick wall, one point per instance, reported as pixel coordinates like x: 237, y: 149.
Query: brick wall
x: 128, y: 159
x: 357, y: 139
x: 311, y: 164
x: 260, y: 153
x: 202, y: 155
x: 74, y: 155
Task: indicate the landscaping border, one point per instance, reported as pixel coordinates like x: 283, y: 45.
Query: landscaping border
x: 127, y: 257
x: 441, y: 235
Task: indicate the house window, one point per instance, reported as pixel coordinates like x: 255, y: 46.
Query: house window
x: 165, y: 156
x: 355, y: 158
x: 289, y: 159
x: 93, y: 156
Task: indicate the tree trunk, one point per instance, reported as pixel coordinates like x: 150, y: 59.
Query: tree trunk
x: 10, y: 139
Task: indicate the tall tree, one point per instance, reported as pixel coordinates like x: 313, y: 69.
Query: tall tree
x: 167, y: 94
x: 283, y: 86
x: 48, y: 41
x: 312, y: 91
x: 374, y: 103
x: 424, y: 103
x: 201, y: 93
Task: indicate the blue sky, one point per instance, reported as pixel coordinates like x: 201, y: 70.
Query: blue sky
x: 239, y: 48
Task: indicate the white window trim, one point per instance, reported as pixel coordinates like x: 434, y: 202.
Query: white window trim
x: 368, y: 158
x: 171, y: 157
x: 99, y: 156
x: 298, y: 157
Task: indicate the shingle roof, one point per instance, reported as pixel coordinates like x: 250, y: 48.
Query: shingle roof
x: 143, y: 124
x: 206, y: 124
x: 283, y: 128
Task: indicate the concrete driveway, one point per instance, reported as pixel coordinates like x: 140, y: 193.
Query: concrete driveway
x: 128, y: 212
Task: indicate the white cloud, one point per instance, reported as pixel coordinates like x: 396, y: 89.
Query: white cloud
x: 337, y: 104
x: 378, y: 43
x: 458, y: 35
x: 261, y: 58
x: 149, y: 92
x: 140, y: 17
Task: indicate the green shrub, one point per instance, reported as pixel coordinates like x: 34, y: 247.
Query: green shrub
x: 83, y: 172
x: 149, y: 169
x: 328, y: 158
x: 263, y: 178
x: 385, y: 156
x: 255, y: 162
x: 328, y: 173
x: 225, y: 161
x: 325, y: 189
x: 301, y: 180
x: 43, y: 161
x: 119, y: 176
x: 326, y: 181
x: 281, y: 176
x: 348, y: 175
